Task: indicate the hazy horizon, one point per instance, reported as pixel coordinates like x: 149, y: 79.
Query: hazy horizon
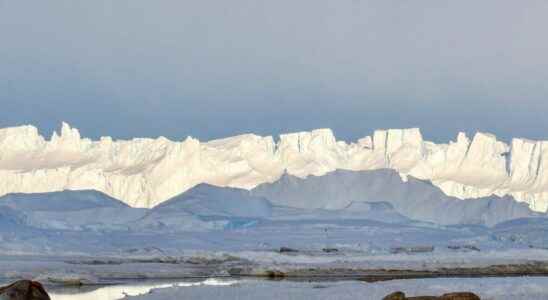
x: 210, y: 70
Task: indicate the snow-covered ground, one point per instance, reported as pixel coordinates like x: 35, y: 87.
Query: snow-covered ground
x: 213, y: 223
x: 521, y: 288
x: 102, y: 255
x: 488, y: 288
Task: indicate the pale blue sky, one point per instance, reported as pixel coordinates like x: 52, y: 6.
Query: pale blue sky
x: 215, y: 68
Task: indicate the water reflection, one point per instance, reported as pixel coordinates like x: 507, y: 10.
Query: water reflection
x: 119, y: 291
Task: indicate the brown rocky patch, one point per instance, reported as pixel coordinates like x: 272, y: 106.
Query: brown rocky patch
x: 24, y: 290
x: 450, y: 296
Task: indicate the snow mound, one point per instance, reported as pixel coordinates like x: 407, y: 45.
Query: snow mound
x: 67, y: 201
x: 70, y: 210
x: 202, y: 208
x: 207, y: 207
x: 415, y: 199
x: 211, y: 201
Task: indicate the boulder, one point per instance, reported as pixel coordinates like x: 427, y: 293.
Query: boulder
x: 24, y: 290
x: 460, y: 296
x: 395, y: 296
x: 287, y: 250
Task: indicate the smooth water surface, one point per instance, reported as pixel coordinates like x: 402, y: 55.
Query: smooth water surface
x: 118, y: 291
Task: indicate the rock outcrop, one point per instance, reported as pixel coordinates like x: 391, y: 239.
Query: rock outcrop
x: 450, y: 296
x: 24, y: 290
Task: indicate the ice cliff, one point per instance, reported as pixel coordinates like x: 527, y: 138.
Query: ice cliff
x: 145, y: 172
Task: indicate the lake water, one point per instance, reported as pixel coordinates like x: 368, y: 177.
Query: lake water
x: 117, y: 291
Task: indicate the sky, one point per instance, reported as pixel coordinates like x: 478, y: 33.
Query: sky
x: 210, y: 69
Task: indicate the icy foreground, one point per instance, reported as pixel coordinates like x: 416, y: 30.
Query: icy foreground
x: 146, y: 172
x: 87, y: 237
x: 487, y: 288
x: 251, y: 228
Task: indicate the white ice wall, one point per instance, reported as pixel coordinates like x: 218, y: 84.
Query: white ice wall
x: 145, y: 172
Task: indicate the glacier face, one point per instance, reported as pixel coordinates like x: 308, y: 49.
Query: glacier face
x: 145, y: 172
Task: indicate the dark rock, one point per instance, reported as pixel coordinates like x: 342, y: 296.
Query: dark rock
x: 330, y: 250
x: 460, y: 296
x: 410, y: 250
x: 287, y: 250
x: 450, y: 296
x: 320, y: 286
x: 465, y: 247
x: 275, y: 274
x: 473, y: 248
x: 24, y: 290
x: 395, y: 296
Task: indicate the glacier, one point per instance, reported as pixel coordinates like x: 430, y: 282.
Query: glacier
x: 145, y: 172
x: 415, y: 199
